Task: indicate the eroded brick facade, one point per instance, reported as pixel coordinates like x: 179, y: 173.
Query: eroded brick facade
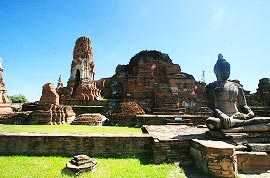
x: 155, y: 83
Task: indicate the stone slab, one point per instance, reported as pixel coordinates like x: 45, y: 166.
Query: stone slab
x: 240, y: 138
x: 214, y: 144
x: 258, y: 147
x: 174, y: 132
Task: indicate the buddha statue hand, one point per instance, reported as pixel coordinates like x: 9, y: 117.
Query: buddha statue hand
x: 225, y: 120
x: 240, y: 116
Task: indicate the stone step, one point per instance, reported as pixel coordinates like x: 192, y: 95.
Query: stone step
x: 252, y: 162
x: 178, y: 121
x: 168, y: 113
x: 240, y: 148
x: 189, y: 124
x: 258, y: 147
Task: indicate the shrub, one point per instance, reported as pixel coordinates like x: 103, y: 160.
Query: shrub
x: 18, y: 99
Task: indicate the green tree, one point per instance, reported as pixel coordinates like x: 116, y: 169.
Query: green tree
x: 18, y: 99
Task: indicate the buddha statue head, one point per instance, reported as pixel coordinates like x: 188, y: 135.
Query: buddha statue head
x: 222, y: 69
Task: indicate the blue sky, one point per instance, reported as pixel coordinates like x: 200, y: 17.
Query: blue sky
x: 37, y: 37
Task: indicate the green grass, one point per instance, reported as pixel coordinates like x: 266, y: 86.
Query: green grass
x: 51, y: 167
x: 66, y: 128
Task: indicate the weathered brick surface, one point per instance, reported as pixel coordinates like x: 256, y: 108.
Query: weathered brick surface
x: 108, y: 145
x: 155, y: 83
x: 89, y: 119
x: 171, y: 151
x: 263, y: 92
x: 216, y: 158
x: 253, y: 162
x: 51, y: 114
x: 49, y: 95
x: 129, y: 108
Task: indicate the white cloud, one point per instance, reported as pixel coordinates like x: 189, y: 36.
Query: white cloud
x: 218, y: 19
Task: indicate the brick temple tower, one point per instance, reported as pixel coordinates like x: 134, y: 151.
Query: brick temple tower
x: 81, y: 86
x: 5, y: 106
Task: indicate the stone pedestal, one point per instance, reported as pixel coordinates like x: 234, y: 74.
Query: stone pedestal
x: 215, y: 158
x: 252, y: 162
x: 255, y: 148
x: 90, y: 119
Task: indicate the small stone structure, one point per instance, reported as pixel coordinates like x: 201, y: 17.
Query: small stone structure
x: 156, y: 84
x: 129, y: 108
x: 90, y: 119
x: 253, y: 162
x: 82, y: 163
x: 215, y: 158
x: 81, y: 88
x: 5, y: 106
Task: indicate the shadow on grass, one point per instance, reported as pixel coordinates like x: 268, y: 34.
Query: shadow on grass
x: 71, y: 173
x: 68, y: 172
x: 192, y: 172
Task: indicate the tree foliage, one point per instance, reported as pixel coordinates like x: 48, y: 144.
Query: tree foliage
x: 18, y: 99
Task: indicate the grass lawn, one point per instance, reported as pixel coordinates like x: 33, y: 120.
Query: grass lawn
x: 51, y: 167
x: 66, y: 128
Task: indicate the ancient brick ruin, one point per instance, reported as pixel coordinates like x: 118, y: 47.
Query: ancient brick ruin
x: 5, y: 106
x: 49, y: 111
x: 90, y: 119
x: 263, y: 92
x: 49, y: 95
x: 81, y: 87
x: 156, y: 84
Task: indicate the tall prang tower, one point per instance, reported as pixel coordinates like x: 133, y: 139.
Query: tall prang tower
x: 5, y: 106
x: 81, y: 86
x: 83, y: 65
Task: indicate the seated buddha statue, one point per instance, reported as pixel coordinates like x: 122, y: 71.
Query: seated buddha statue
x: 227, y: 101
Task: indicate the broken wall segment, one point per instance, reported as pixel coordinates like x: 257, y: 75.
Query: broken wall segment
x: 96, y: 145
x: 49, y: 95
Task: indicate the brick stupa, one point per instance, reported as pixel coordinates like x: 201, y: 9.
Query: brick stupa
x: 81, y: 87
x: 158, y: 85
x: 5, y: 106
